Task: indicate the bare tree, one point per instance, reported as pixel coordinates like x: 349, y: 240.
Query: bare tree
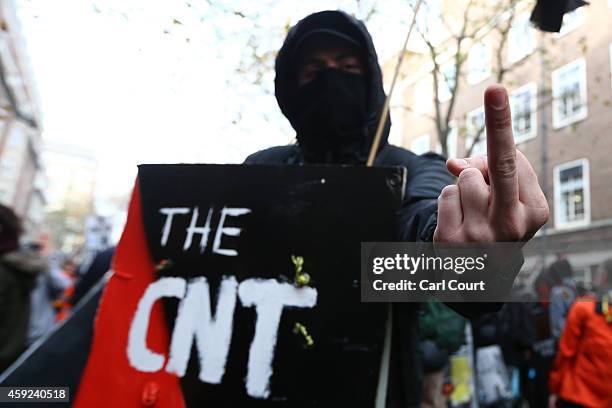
x: 461, y: 31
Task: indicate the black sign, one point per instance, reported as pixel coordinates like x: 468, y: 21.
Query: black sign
x: 260, y: 270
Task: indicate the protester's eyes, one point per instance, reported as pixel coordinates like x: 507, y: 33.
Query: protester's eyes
x: 311, y: 68
x: 352, y: 65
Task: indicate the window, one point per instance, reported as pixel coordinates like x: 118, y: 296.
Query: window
x: 569, y: 94
x: 521, y: 39
x: 446, y: 81
x: 420, y: 144
x: 571, y: 21
x: 479, y: 62
x: 572, y: 194
x: 423, y: 96
x: 523, y: 103
x: 475, y: 126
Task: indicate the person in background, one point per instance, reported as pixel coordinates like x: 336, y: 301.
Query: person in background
x: 18, y: 272
x: 543, y: 348
x: 517, y: 337
x: 562, y: 295
x: 442, y: 333
x: 581, y: 376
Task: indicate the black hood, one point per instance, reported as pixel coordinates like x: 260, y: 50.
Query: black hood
x: 286, y: 76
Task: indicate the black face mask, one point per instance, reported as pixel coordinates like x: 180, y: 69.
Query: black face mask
x: 331, y: 117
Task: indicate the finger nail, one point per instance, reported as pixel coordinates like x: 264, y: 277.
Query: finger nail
x: 461, y: 162
x: 497, y: 98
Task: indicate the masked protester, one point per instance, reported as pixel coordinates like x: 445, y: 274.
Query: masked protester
x: 329, y: 86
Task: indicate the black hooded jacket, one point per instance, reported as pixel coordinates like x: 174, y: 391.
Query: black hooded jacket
x: 426, y: 176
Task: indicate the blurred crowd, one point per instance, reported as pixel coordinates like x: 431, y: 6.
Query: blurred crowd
x: 38, y: 287
x: 551, y: 347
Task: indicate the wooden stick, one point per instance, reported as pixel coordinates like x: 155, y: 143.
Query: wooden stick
x: 383, y: 117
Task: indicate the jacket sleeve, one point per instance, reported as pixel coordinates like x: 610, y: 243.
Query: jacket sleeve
x: 568, y: 345
x: 427, y: 176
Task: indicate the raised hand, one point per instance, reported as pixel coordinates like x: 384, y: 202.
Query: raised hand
x: 497, y: 197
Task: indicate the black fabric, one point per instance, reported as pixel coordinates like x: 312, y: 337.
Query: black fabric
x: 15, y: 288
x: 567, y: 404
x: 287, y: 92
x: 548, y: 15
x: 331, y: 116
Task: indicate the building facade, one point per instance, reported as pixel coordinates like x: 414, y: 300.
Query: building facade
x: 561, y: 99
x: 22, y: 182
x: 70, y: 195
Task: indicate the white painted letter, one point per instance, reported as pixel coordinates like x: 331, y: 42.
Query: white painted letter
x: 168, y: 224
x: 232, y: 232
x: 205, y: 230
x: 213, y: 336
x: 139, y: 356
x: 269, y: 298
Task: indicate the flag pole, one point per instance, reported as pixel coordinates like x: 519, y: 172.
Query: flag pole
x: 385, y: 111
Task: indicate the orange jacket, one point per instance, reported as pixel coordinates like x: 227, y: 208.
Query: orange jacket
x: 582, y: 372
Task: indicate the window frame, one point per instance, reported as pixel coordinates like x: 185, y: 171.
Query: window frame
x: 558, y: 122
x: 586, y: 187
x: 532, y: 88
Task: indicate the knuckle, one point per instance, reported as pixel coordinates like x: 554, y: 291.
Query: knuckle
x: 444, y: 235
x: 501, y: 121
x: 449, y: 192
x: 469, y: 175
x: 478, y: 232
x: 505, y: 165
